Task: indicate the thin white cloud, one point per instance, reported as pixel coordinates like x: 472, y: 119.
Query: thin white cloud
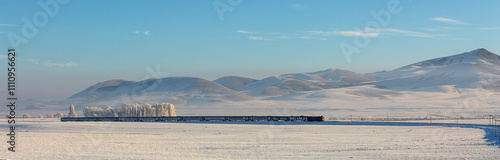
x: 249, y: 32
x: 344, y: 33
x: 324, y: 33
x: 438, y: 29
x: 262, y: 36
x: 28, y: 60
x: 299, y: 6
x: 255, y: 38
x: 406, y: 33
x: 356, y: 33
x: 448, y: 20
x: 9, y: 25
x: 147, y: 33
x: 373, y: 32
x: 50, y: 64
x: 246, y: 32
x: 490, y: 28
x: 324, y: 39
x: 5, y: 26
x: 46, y: 63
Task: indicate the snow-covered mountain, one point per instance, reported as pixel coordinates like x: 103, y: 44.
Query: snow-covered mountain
x: 448, y: 78
x: 279, y: 85
x: 101, y: 89
x: 298, y: 82
x: 340, y: 77
x: 333, y: 76
x: 464, y: 70
x: 233, y: 82
x: 178, y: 90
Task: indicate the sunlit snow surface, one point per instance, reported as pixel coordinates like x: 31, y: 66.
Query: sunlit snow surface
x: 51, y: 139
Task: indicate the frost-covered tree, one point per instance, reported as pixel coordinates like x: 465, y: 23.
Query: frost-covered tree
x: 135, y: 110
x: 171, y: 110
x: 59, y: 115
x: 72, y: 112
x: 50, y: 115
x: 157, y: 109
x: 40, y: 116
x: 110, y: 112
x: 26, y: 115
x: 150, y: 110
x: 132, y: 110
x: 123, y: 112
x: 93, y: 112
x: 139, y: 111
x: 87, y: 112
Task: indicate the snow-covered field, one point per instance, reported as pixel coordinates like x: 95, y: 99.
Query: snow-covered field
x: 51, y: 139
x: 363, y: 101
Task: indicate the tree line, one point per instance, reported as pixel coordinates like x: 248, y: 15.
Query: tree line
x: 57, y: 115
x: 127, y: 110
x: 131, y: 110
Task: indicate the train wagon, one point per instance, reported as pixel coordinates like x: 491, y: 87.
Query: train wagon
x: 315, y: 118
x: 215, y: 118
x: 197, y: 118
x: 238, y: 118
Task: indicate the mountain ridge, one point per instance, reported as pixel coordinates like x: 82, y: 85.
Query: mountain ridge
x: 459, y: 70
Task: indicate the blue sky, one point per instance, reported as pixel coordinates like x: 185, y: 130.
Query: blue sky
x: 91, y: 41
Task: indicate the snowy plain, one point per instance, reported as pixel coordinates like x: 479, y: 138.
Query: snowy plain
x: 52, y: 139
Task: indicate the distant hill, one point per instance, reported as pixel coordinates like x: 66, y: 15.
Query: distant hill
x: 233, y: 82
x: 449, y: 76
x: 177, y: 90
x: 464, y: 70
x: 297, y: 82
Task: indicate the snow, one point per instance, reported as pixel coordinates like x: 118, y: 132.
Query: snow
x: 101, y: 88
x: 365, y: 101
x: 298, y: 82
x: 462, y: 70
x: 51, y: 139
x: 177, y: 90
x: 233, y: 82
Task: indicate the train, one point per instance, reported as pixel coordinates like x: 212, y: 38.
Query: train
x: 196, y: 118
